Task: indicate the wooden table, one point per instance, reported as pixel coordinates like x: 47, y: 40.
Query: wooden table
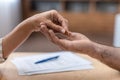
x: 8, y: 71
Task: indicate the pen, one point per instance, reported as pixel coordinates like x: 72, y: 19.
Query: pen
x: 47, y: 59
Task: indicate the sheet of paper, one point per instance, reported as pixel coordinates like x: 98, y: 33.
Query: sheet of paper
x: 116, y: 37
x: 67, y: 61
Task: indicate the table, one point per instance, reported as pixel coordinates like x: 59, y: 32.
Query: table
x: 8, y: 71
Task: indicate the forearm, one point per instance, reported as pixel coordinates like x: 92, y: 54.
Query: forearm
x: 15, y: 38
x: 108, y: 55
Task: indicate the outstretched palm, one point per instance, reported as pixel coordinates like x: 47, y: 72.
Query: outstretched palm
x: 75, y: 42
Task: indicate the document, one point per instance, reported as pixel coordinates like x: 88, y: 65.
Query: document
x: 50, y: 62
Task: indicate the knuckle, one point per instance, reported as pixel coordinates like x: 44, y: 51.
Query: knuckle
x: 36, y: 15
x: 48, y: 21
x: 54, y: 11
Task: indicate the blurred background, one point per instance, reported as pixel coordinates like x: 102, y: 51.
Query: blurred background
x: 94, y: 18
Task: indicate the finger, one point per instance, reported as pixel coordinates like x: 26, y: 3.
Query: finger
x: 56, y: 40
x: 54, y: 26
x: 60, y: 19
x: 65, y: 23
x: 53, y: 37
x: 41, y: 27
x: 37, y: 28
x: 44, y: 30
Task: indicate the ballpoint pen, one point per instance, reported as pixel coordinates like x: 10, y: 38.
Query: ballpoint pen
x: 47, y: 59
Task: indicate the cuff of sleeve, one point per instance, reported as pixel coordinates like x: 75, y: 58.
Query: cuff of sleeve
x: 1, y: 52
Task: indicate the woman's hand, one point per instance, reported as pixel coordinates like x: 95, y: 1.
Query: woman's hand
x: 51, y: 17
x: 22, y: 31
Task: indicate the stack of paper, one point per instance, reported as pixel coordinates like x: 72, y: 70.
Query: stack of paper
x: 67, y: 61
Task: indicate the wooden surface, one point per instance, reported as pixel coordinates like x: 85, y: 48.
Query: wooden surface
x: 8, y: 71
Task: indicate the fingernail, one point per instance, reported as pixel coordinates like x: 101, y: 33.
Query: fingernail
x: 63, y: 30
x: 42, y: 23
x: 42, y: 26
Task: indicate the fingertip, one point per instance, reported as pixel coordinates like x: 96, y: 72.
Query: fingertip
x: 42, y: 23
x: 65, y: 24
x: 68, y: 33
x: 51, y: 32
x: 63, y: 31
x: 44, y: 28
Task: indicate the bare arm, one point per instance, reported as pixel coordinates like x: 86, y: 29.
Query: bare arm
x: 32, y: 24
x: 15, y: 38
x: 106, y: 54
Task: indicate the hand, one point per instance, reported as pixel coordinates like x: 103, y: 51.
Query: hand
x: 51, y: 17
x: 21, y: 32
x: 75, y: 42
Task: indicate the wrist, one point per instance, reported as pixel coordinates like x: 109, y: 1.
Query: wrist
x: 27, y: 25
x: 97, y: 50
x: 34, y: 22
x: 88, y: 48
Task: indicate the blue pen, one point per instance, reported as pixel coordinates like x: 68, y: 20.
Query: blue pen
x: 47, y: 59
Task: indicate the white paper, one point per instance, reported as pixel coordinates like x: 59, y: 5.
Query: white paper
x: 66, y: 62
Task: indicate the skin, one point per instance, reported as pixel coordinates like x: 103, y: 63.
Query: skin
x: 24, y: 29
x: 80, y: 43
